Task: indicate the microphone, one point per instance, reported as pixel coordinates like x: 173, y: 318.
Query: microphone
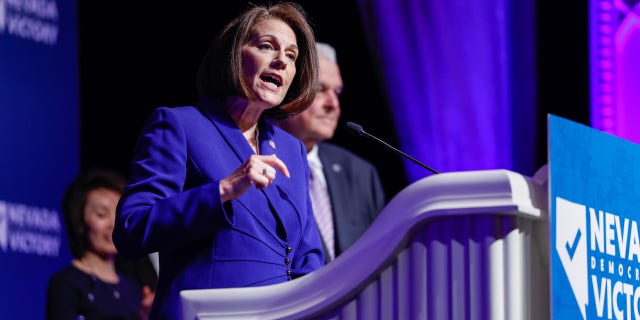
x: 360, y: 131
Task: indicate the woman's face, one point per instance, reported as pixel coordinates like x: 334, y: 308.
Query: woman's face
x: 99, y: 217
x: 268, y: 60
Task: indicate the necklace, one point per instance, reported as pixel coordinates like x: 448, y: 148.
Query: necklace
x: 98, y: 283
x: 257, y: 140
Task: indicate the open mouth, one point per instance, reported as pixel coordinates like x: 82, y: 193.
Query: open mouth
x: 272, y: 80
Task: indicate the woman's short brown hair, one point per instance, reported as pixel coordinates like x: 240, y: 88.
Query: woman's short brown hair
x: 220, y: 73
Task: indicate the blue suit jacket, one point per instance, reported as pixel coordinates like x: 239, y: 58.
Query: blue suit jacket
x: 356, y: 193
x: 172, y: 205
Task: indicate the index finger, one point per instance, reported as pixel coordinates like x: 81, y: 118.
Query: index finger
x: 274, y: 161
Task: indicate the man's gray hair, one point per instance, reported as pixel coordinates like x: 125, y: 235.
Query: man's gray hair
x: 326, y: 51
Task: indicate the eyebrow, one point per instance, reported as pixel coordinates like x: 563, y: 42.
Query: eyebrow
x: 98, y: 206
x: 292, y: 46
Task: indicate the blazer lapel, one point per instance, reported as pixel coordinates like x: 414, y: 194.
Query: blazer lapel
x: 335, y: 178
x: 276, y: 193
x: 242, y: 150
x: 227, y: 128
x: 333, y: 173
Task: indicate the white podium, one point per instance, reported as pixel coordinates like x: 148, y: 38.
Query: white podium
x: 462, y: 245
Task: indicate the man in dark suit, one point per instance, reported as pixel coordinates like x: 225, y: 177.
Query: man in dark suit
x: 353, y: 185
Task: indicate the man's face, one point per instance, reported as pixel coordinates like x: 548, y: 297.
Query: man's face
x: 319, y: 121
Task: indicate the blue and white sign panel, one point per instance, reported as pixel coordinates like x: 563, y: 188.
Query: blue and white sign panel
x: 595, y: 211
x: 39, y: 147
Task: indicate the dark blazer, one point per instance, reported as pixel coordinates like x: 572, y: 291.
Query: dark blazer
x: 140, y: 269
x: 172, y: 205
x: 356, y: 193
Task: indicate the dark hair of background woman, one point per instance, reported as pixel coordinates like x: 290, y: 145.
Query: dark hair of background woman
x: 75, y: 200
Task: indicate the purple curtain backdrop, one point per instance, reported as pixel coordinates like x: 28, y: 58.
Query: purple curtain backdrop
x: 615, y: 70
x: 460, y: 79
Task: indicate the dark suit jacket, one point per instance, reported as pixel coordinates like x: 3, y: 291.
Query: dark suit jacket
x: 356, y: 193
x: 172, y: 205
x: 140, y: 269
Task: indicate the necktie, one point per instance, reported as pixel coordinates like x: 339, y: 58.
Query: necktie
x: 322, y: 208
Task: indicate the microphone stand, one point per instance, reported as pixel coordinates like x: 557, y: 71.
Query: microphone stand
x: 360, y: 131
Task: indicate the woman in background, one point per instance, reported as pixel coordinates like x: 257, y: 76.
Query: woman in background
x: 91, y: 287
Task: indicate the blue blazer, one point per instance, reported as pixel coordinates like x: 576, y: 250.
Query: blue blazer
x: 172, y: 205
x: 355, y: 190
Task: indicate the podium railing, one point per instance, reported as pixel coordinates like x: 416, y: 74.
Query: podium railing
x: 462, y: 245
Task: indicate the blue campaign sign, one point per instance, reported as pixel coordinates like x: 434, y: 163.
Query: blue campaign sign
x: 39, y: 147
x: 595, y: 209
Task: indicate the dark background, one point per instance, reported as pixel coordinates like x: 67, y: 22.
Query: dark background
x: 138, y: 56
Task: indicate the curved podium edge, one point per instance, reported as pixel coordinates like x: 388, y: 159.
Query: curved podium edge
x: 499, y: 192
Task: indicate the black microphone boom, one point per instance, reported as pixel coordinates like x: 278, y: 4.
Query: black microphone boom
x: 360, y: 131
